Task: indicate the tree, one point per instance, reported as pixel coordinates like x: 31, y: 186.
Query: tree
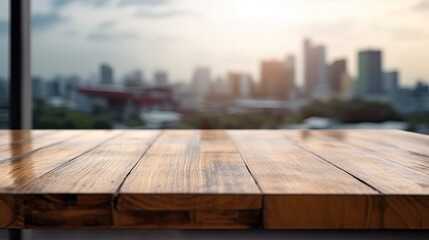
x: 48, y: 117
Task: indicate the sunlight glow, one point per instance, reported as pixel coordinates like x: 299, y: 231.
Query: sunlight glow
x: 254, y: 9
x: 269, y: 11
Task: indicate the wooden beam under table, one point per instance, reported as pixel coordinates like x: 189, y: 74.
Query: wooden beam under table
x: 84, y: 188
x: 302, y: 190
x: 403, y: 187
x: 190, y: 179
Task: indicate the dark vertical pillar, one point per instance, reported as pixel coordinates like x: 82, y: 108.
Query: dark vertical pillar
x: 20, y: 92
x: 20, y: 80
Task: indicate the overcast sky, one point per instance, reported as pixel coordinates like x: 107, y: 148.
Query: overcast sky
x: 75, y: 36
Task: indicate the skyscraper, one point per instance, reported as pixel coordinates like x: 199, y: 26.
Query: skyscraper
x: 390, y: 82
x: 106, y: 74
x: 370, y: 74
x: 161, y: 78
x: 201, y: 82
x: 276, y: 80
x: 239, y: 85
x: 421, y: 89
x: 309, y: 66
x: 315, y: 70
x: 134, y: 79
x: 38, y: 86
x: 290, y: 65
x: 337, y: 71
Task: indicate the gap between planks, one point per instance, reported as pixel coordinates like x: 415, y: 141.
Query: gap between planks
x: 307, y: 149
x: 115, y: 197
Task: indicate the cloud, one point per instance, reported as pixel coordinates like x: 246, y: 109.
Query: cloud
x: 421, y: 6
x: 340, y: 28
x: 111, y: 36
x: 143, y: 2
x: 41, y: 21
x: 62, y: 3
x: 163, y: 14
x: 105, y: 32
x: 106, y: 25
x: 71, y: 33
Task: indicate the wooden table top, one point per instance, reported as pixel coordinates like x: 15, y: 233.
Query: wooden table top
x: 185, y: 179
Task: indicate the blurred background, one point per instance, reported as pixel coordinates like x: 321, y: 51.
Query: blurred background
x: 232, y: 64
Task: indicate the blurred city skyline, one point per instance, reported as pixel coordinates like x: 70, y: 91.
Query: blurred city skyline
x: 74, y: 37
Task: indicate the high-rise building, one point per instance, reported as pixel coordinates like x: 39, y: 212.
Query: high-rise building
x: 71, y: 84
x: 220, y: 87
x: 54, y: 87
x: 309, y: 66
x: 201, y: 82
x: 370, y: 74
x: 315, y: 70
x: 290, y: 65
x: 106, y: 74
x: 39, y: 89
x: 240, y: 85
x: 337, y: 71
x: 347, y: 86
x: 161, y: 78
x: 322, y: 86
x: 134, y: 79
x: 390, y: 82
x: 276, y: 80
x: 421, y: 89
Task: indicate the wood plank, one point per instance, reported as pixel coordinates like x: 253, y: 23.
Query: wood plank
x: 393, y: 180
x: 410, y: 159
x: 19, y: 143
x: 65, y: 211
x: 7, y: 210
x: 300, y: 189
x: 16, y: 136
x: 322, y: 211
x: 99, y: 171
x: 21, y: 170
x: 185, y: 219
x: 180, y: 181
x: 406, y: 211
x: 4, y: 132
x: 411, y: 142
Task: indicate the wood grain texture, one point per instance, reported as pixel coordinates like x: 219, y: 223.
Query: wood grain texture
x: 7, y: 210
x: 384, y: 175
x: 321, y: 211
x: 388, y: 177
x: 65, y: 211
x: 213, y: 179
x: 19, y: 171
x: 174, y: 164
x: 290, y: 181
x: 188, y: 219
x: 176, y: 175
x: 17, y: 136
x: 5, y: 131
x: 23, y: 142
x: 101, y: 170
x: 361, y: 139
x: 412, y: 142
x: 406, y: 211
